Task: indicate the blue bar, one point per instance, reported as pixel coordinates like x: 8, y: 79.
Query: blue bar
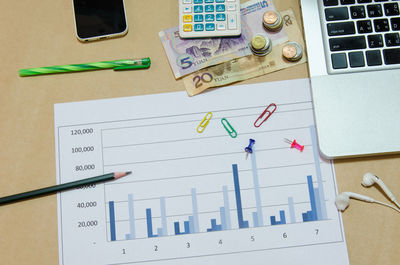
x: 187, y: 227
x: 273, y: 220
x: 260, y: 221
x: 282, y: 216
x: 321, y: 193
x: 255, y: 219
x: 291, y: 210
x: 176, y: 227
x: 195, y: 212
x: 214, y: 226
x: 132, y: 234
x: 149, y: 223
x: 305, y: 217
x: 227, y: 208
x: 317, y: 203
x: 223, y: 218
x: 112, y: 220
x: 242, y: 223
x: 163, y: 217
x: 312, y: 198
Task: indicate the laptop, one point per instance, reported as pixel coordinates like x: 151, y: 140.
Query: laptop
x: 353, y: 49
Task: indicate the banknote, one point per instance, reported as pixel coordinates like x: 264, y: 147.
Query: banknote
x: 249, y: 66
x: 189, y: 55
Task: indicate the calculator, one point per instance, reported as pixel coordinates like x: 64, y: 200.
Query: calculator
x: 209, y: 18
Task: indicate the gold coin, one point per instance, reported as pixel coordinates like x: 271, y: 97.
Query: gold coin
x: 289, y: 51
x: 258, y: 42
x: 270, y: 17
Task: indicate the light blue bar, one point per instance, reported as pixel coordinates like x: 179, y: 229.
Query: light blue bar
x: 160, y: 231
x: 318, y: 203
x: 163, y: 217
x: 256, y: 187
x: 321, y: 196
x: 291, y: 210
x: 227, y: 208
x: 131, y: 217
x: 195, y: 212
x: 223, y: 219
x: 191, y: 224
x: 128, y: 237
x: 255, y: 219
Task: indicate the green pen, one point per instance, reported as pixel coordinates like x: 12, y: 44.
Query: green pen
x: 126, y: 64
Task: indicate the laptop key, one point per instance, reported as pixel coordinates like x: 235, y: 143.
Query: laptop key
x: 391, y: 56
x: 341, y: 28
x: 395, y: 23
x: 375, y: 41
x: 364, y: 26
x: 374, y: 10
x: 331, y: 2
x: 347, y: 2
x: 339, y: 60
x: 356, y: 59
x: 364, y: 1
x: 347, y: 43
x: 392, y: 39
x: 374, y: 58
x: 336, y: 13
x: 391, y: 9
x: 357, y: 12
x: 381, y: 25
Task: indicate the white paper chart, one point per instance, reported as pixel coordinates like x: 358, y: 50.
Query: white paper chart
x: 197, y: 198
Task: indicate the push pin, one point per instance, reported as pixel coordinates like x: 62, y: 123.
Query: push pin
x: 249, y: 149
x: 294, y: 144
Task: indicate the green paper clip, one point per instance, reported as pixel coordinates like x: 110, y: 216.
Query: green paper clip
x: 228, y: 127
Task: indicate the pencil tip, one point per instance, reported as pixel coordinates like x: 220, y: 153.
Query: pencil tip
x: 118, y: 175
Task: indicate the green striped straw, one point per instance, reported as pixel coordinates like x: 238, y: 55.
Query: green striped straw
x: 126, y: 64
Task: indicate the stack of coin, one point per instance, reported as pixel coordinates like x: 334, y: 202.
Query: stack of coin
x: 272, y: 21
x: 260, y: 45
x: 292, y: 51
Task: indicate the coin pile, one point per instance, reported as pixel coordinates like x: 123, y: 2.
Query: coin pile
x: 272, y: 21
x: 292, y: 51
x: 261, y: 45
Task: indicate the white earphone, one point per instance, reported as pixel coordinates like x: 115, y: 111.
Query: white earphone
x: 370, y: 179
x: 343, y: 200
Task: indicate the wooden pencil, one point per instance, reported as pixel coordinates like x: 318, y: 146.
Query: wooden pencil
x: 61, y: 187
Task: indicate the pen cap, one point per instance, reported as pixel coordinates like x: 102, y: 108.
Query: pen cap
x: 136, y: 64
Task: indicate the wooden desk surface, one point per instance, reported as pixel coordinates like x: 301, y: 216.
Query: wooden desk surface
x: 41, y: 33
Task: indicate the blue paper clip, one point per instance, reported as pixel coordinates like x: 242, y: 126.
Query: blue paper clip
x: 228, y: 127
x: 268, y: 112
x: 203, y: 124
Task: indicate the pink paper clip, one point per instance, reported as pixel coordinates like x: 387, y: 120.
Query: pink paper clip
x: 294, y: 144
x: 268, y: 112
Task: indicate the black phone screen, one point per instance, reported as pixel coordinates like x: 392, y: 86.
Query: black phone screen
x: 99, y: 17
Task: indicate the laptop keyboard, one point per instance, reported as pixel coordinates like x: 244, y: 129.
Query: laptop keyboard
x: 361, y: 34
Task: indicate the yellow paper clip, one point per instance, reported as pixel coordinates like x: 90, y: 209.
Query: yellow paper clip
x: 228, y: 127
x: 267, y: 112
x: 203, y: 124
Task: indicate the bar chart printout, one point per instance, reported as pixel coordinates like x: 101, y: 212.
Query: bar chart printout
x: 197, y: 198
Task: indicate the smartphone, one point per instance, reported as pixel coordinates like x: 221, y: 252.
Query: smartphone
x: 99, y: 19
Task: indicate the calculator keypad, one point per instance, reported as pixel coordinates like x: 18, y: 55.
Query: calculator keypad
x: 209, y: 18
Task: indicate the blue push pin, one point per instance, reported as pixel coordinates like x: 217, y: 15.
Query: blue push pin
x: 249, y: 149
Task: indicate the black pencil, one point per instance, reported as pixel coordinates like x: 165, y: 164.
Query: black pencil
x: 61, y: 187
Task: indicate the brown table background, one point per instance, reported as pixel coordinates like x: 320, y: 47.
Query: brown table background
x: 41, y: 33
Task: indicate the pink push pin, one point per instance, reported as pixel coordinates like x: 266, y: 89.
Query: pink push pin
x: 294, y: 144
